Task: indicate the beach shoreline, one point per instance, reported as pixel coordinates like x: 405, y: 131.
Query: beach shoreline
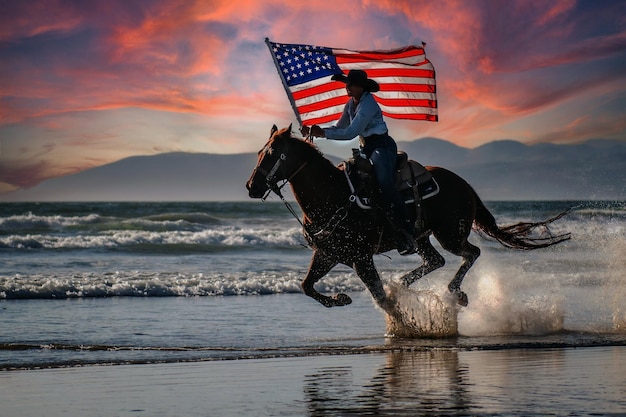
x: 200, y: 309
x: 546, y: 381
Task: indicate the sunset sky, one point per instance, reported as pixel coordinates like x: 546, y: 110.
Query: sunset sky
x: 86, y: 83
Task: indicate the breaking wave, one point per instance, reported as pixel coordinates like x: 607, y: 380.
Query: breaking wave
x: 142, y: 284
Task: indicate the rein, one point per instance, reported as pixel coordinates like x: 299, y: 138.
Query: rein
x: 276, y: 189
x: 327, y: 230
x: 272, y: 185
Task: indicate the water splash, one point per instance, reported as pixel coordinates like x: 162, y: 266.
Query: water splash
x: 619, y: 321
x: 615, y: 284
x: 497, y: 309
x: 421, y: 313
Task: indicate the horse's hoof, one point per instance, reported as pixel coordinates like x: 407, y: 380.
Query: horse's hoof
x: 342, y: 300
x: 461, y: 298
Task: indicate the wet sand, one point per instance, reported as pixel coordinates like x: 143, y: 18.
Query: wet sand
x: 507, y: 382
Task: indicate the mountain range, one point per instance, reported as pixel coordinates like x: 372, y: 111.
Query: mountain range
x: 501, y: 170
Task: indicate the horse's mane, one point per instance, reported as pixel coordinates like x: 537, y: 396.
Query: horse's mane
x: 308, y: 148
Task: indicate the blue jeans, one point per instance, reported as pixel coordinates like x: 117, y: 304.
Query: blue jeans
x: 383, y: 153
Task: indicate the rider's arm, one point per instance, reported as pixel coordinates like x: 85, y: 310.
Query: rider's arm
x: 364, y: 114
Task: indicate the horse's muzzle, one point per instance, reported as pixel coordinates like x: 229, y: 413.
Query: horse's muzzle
x: 256, y: 189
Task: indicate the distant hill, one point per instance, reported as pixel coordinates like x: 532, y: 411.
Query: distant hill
x: 509, y: 170
x: 503, y: 170
x: 175, y: 176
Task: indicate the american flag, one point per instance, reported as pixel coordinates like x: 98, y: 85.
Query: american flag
x: 405, y: 76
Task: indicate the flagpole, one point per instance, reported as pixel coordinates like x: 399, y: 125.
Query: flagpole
x: 282, y: 78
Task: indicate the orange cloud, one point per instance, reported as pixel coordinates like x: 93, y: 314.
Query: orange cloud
x: 171, y: 39
x: 75, y: 67
x: 581, y: 130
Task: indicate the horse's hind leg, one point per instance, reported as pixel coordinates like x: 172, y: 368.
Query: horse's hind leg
x: 469, y: 253
x: 320, y: 266
x: 366, y: 270
x: 431, y: 260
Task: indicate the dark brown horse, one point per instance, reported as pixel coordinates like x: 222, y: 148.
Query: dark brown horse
x: 341, y: 232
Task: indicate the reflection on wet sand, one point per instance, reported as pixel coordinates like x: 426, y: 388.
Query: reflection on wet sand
x: 516, y: 382
x: 409, y: 383
x: 404, y: 381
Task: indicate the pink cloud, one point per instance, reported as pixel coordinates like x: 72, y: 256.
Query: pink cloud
x: 497, y: 62
x: 555, y: 10
x: 144, y: 59
x: 171, y: 40
x: 23, y: 19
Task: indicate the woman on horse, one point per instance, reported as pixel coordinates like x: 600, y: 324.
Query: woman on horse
x: 363, y: 117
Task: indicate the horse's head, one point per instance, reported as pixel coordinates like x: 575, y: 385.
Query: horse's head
x: 272, y: 165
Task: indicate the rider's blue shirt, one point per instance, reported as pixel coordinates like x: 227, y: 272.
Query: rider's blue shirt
x: 362, y: 119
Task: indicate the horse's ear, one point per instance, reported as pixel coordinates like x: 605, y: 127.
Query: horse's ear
x: 274, y: 129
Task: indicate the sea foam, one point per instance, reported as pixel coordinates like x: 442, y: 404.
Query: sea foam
x: 422, y: 313
x: 142, y: 284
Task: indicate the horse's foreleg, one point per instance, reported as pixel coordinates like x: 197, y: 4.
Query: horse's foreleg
x: 366, y: 270
x: 320, y: 266
x: 469, y: 253
x: 431, y: 260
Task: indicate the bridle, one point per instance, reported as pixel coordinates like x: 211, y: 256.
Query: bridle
x: 272, y: 182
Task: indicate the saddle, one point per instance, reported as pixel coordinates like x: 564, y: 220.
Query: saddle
x: 414, y: 182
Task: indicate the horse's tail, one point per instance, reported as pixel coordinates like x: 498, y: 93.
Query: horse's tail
x: 517, y: 236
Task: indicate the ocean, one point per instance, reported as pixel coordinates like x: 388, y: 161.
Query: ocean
x: 173, y: 284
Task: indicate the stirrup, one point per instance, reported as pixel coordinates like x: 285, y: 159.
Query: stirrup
x: 407, y: 251
x: 406, y: 245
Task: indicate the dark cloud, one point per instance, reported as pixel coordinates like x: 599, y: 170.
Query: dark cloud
x: 24, y: 175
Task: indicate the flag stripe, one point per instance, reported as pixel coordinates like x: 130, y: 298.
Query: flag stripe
x: 406, y: 79
x: 419, y: 87
x: 316, y: 114
x: 410, y: 55
x: 330, y: 87
x: 415, y: 116
x: 322, y: 120
x: 383, y: 64
x: 422, y: 74
x: 404, y: 103
x: 321, y: 104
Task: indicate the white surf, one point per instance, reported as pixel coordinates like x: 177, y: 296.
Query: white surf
x: 420, y: 313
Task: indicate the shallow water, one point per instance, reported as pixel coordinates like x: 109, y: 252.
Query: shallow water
x: 122, y: 330
x: 511, y: 382
x: 199, y: 307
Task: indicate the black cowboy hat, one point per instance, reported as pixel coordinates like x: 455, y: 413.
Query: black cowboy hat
x: 358, y: 77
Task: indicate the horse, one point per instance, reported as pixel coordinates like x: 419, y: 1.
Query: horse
x: 341, y: 232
